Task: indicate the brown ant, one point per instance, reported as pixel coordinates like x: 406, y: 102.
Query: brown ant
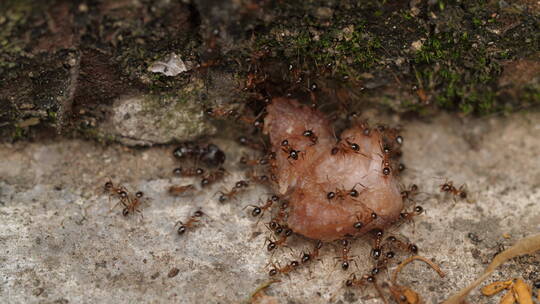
x: 408, y: 216
x: 289, y: 150
x: 448, y: 187
x: 409, y: 193
x: 238, y: 187
x: 188, y: 171
x: 254, y: 162
x: 306, y: 257
x: 260, y: 179
x: 259, y: 210
x: 311, y: 135
x: 244, y: 141
x: 345, y: 258
x: 279, y: 242
x: 284, y: 270
x: 376, y: 252
x: 190, y: 223
x: 393, y: 242
x: 220, y: 112
x: 178, y: 190
x: 119, y: 191
x: 213, y: 177
x: 282, y: 213
x: 132, y: 204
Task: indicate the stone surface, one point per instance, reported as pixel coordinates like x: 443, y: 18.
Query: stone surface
x: 148, y: 120
x: 60, y: 242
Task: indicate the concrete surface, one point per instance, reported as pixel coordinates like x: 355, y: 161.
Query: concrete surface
x: 60, y: 243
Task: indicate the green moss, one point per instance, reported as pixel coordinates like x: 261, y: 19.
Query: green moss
x: 462, y: 75
x: 13, y: 16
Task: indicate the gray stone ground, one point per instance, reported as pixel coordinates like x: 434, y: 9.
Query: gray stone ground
x: 59, y: 241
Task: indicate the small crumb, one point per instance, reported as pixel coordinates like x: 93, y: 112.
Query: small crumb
x: 171, y: 66
x: 506, y: 235
x: 173, y: 272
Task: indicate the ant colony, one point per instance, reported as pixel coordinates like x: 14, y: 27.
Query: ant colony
x: 327, y: 189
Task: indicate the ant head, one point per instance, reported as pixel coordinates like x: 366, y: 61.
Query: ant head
x: 305, y: 257
x: 256, y: 211
x: 330, y: 195
x: 181, y: 230
x: 376, y: 253
x: 125, y: 212
x: 123, y: 194
x: 205, y: 182
x: 271, y: 246
x: 139, y: 194
x: 108, y: 185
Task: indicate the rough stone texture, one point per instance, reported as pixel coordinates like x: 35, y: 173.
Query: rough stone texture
x: 148, y: 120
x: 59, y: 241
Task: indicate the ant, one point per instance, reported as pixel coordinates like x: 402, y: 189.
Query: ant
x: 279, y: 242
x: 306, y: 257
x: 188, y: 172
x: 259, y: 210
x: 448, y: 187
x: 119, y: 191
x: 275, y: 227
x: 260, y: 179
x: 282, y: 213
x: 393, y: 242
x: 311, y: 135
x: 213, y: 177
x: 376, y: 252
x: 178, y: 190
x: 289, y: 150
x: 190, y: 223
x: 238, y: 187
x: 284, y: 270
x: 132, y: 204
x: 408, y: 194
x: 408, y: 216
x: 353, y: 281
x: 345, y: 258
x: 220, y: 112
x: 253, y: 162
x: 244, y: 141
